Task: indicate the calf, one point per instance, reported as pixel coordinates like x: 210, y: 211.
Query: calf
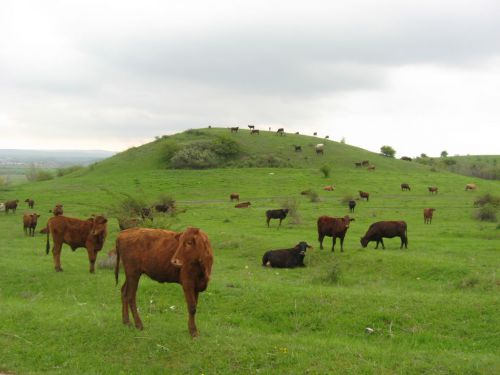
x: 243, y: 205
x: 184, y: 258
x: 29, y: 224
x: 234, y: 129
x: 329, y: 188
x: 280, y: 131
x: 389, y: 229
x: 286, y: 258
x: 470, y: 187
x: 405, y: 187
x: 31, y: 202
x: 352, y: 204
x: 297, y: 148
x: 335, y: 227
x: 90, y: 233
x: 433, y: 189
x: 234, y: 196
x: 428, y: 215
x: 364, y: 195
x: 254, y: 131
x: 11, y: 205
x: 276, y: 214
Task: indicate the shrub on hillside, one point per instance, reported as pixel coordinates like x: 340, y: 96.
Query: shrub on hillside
x: 37, y: 174
x: 67, y: 170
x: 312, y: 195
x: 325, y: 169
x: 168, y: 150
x: 487, y: 199
x: 225, y: 148
x: 196, y: 155
x: 488, y: 212
x: 387, y: 151
x: 292, y: 204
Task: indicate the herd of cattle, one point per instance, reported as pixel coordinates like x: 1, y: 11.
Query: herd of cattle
x: 186, y: 257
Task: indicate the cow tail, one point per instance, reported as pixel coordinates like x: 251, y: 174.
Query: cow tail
x: 47, y: 246
x: 117, y: 265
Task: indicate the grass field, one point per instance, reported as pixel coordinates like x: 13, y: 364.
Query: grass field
x: 434, y: 308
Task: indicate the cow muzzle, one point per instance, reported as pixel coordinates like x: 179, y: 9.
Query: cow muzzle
x: 176, y: 262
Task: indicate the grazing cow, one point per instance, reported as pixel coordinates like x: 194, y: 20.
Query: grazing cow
x: 90, y: 233
x: 251, y: 127
x: 297, y: 148
x: 234, y: 196
x: 235, y: 129
x: 286, y: 258
x: 329, y: 188
x: 315, y: 133
x: 29, y: 223
x: 467, y: 187
x: 319, y: 148
x: 433, y: 189
x: 406, y: 158
x: 297, y: 133
x: 276, y: 214
x: 428, y: 215
x: 371, y: 167
x: 31, y: 202
x: 254, y: 131
x: 57, y: 210
x: 365, y: 163
x: 364, y: 195
x: 352, y: 204
x: 243, y: 205
x: 185, y: 258
x: 335, y: 227
x: 388, y: 229
x: 11, y: 205
x: 405, y: 187
x: 358, y: 164
x: 280, y: 131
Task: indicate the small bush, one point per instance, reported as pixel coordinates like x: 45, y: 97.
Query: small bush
x: 129, y: 207
x: 334, y: 275
x: 196, y: 156
x: 225, y: 148
x: 37, y: 174
x: 488, y: 212
x: 67, y: 170
x: 487, y: 199
x: 168, y: 150
x: 292, y: 204
x: 325, y: 169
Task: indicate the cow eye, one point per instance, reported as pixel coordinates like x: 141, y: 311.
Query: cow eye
x: 189, y: 242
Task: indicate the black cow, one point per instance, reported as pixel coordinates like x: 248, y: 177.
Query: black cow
x: 280, y: 131
x: 388, y: 229
x: 297, y: 148
x: 352, y: 204
x: 276, y: 214
x: 286, y: 258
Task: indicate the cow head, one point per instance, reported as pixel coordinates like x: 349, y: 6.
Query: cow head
x: 27, y: 200
x: 364, y: 241
x: 193, y: 247
x: 34, y: 218
x: 303, y: 246
x: 98, y: 232
x: 347, y: 220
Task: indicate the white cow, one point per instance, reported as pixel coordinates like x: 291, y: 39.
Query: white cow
x: 319, y: 148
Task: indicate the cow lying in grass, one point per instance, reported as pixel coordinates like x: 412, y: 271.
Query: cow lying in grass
x: 286, y: 258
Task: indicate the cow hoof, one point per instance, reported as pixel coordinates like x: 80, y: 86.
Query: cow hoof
x: 59, y: 269
x: 194, y: 334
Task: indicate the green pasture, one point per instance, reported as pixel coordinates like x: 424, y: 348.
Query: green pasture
x: 434, y: 308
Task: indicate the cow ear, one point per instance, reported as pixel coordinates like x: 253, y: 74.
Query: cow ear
x: 104, y: 221
x: 352, y: 219
x: 177, y: 236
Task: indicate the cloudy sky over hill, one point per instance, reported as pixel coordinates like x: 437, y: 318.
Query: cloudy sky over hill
x: 421, y: 76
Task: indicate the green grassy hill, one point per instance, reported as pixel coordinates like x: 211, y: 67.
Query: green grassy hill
x: 434, y: 307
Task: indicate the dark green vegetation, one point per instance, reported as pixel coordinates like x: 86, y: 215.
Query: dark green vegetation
x: 482, y: 166
x: 434, y: 308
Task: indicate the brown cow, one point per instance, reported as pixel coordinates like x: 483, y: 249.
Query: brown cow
x: 234, y: 196
x: 31, y: 202
x: 185, y: 258
x: 90, y: 233
x: 29, y: 223
x: 467, y: 187
x: 405, y: 187
x: 371, y: 167
x: 389, y: 229
x: 365, y: 163
x: 243, y: 205
x: 234, y: 129
x: 57, y: 210
x: 11, y: 205
x: 433, y: 189
x: 329, y: 188
x: 406, y: 158
x: 428, y: 215
x: 365, y: 195
x: 254, y: 131
x: 333, y: 227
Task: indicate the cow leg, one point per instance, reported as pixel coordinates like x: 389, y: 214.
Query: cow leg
x: 125, y: 317
x: 131, y: 292
x: 382, y: 242
x: 342, y: 244
x: 334, y: 240
x: 268, y: 220
x: 280, y: 222
x: 92, y: 258
x: 320, y: 239
x: 56, y: 255
x: 191, y: 296
x: 25, y: 231
x: 378, y: 241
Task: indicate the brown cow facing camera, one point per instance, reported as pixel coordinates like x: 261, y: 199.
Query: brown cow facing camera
x: 57, y: 210
x: 90, y: 233
x: 167, y: 257
x: 11, y: 205
x: 29, y: 223
x: 31, y: 202
x: 234, y: 196
x: 428, y: 215
x: 335, y: 227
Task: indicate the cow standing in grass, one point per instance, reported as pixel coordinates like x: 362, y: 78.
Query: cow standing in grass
x: 185, y: 258
x: 389, y: 229
x: 433, y: 189
x: 335, y: 227
x: 29, y: 223
x: 428, y: 215
x: 276, y: 214
x: 11, y: 205
x: 31, y: 203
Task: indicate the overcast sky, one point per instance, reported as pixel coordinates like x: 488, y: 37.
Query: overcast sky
x: 421, y: 76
